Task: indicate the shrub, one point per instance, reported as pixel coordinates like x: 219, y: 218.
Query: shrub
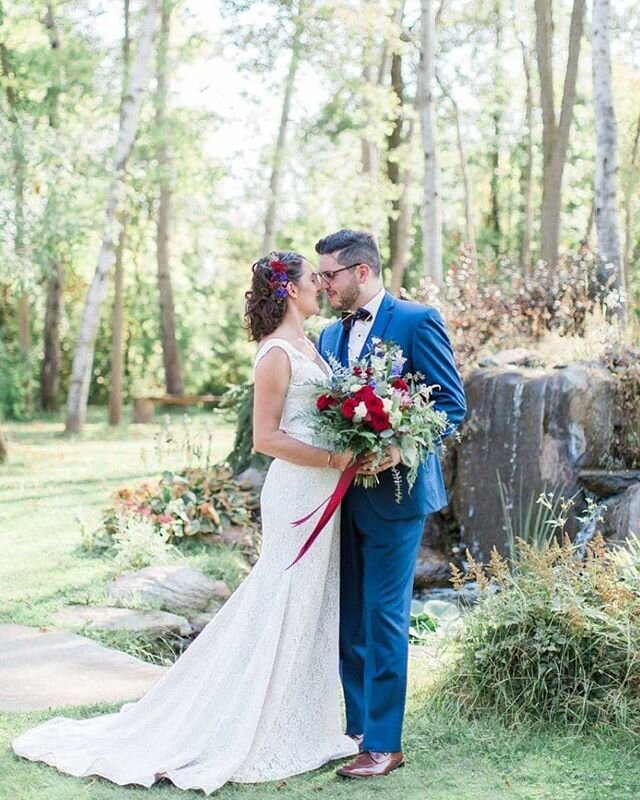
x: 557, y: 640
x: 501, y: 306
x: 137, y: 543
x: 185, y: 504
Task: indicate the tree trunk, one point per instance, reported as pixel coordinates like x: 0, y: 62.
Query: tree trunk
x: 269, y: 239
x: 50, y: 369
x: 170, y: 354
x: 368, y: 149
x: 606, y: 181
x: 494, y: 156
x: 401, y: 257
x: 432, y: 212
x: 555, y: 135
x: 628, y: 208
x: 4, y: 452
x: 115, y: 384
x: 470, y: 239
x: 83, y: 357
x: 527, y: 174
x: 394, y: 143
x: 19, y: 170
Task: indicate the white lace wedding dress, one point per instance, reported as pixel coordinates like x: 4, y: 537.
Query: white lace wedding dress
x: 256, y: 696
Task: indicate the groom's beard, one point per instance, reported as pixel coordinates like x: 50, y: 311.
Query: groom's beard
x: 346, y: 299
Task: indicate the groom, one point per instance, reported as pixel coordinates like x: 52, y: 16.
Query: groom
x: 379, y: 537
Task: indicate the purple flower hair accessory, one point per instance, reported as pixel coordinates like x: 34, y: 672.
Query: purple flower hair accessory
x: 279, y: 277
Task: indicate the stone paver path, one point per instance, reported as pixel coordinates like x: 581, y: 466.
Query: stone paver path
x: 42, y: 668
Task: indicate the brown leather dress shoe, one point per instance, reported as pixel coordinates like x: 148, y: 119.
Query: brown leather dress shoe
x: 357, y: 738
x: 368, y: 765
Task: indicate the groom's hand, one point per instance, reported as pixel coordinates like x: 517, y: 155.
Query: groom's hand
x: 370, y: 465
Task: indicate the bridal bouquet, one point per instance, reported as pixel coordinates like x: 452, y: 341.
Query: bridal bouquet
x: 372, y: 406
x: 369, y: 407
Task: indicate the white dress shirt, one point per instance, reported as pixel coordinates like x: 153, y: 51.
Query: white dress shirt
x: 361, y: 328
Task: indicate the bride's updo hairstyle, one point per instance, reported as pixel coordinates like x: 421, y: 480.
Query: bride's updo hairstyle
x: 266, y: 301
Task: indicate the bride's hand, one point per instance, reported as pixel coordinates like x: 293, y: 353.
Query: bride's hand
x: 341, y: 460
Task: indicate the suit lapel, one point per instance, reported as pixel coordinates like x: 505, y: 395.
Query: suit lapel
x: 336, y: 344
x: 380, y: 323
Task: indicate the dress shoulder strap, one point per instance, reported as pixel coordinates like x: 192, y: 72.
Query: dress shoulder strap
x: 283, y: 344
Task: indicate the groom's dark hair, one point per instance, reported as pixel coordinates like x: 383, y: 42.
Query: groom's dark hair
x: 355, y: 247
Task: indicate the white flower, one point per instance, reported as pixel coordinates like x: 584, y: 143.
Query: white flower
x: 387, y: 404
x: 360, y: 412
x: 355, y: 387
x: 395, y: 418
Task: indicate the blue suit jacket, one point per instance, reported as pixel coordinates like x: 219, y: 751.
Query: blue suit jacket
x: 420, y: 332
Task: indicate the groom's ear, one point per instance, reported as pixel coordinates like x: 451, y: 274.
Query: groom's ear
x: 364, y: 272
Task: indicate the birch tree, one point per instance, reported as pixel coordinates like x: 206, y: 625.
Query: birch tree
x: 115, y: 384
x: 273, y: 202
x: 555, y: 132
x: 630, y: 185
x: 83, y: 357
x: 606, y: 181
x: 432, y: 210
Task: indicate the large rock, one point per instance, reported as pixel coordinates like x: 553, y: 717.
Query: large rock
x: 42, y: 669
x: 178, y: 589
x: 535, y: 430
x: 606, y: 483
x: 624, y: 519
x: 154, y: 623
x: 432, y: 569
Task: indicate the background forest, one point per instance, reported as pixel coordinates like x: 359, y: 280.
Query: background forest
x: 150, y: 151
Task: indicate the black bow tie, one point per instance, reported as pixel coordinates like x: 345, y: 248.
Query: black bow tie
x: 349, y: 317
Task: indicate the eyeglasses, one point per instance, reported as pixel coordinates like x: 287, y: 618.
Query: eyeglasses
x: 329, y: 275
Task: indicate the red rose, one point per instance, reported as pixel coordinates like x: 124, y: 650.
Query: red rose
x: 357, y: 371
x: 325, y: 401
x: 365, y: 393
x: 400, y: 384
x: 349, y: 407
x: 374, y: 404
x: 380, y: 421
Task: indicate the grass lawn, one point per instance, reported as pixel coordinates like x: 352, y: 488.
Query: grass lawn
x: 49, y: 479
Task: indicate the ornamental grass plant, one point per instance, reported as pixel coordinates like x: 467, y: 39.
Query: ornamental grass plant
x: 555, y: 638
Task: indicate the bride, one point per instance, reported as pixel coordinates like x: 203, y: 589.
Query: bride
x: 256, y: 697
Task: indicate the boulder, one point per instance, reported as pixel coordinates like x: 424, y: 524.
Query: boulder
x: 534, y: 430
x: 200, y: 620
x: 179, y: 589
x: 251, y: 478
x: 432, y: 569
x: 155, y: 623
x: 606, y: 483
x: 624, y: 519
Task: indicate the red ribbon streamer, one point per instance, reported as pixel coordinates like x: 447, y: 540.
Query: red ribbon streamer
x: 333, y: 501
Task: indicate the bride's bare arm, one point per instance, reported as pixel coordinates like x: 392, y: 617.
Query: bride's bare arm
x: 272, y: 377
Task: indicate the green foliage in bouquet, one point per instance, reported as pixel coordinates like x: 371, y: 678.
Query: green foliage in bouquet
x: 554, y: 638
